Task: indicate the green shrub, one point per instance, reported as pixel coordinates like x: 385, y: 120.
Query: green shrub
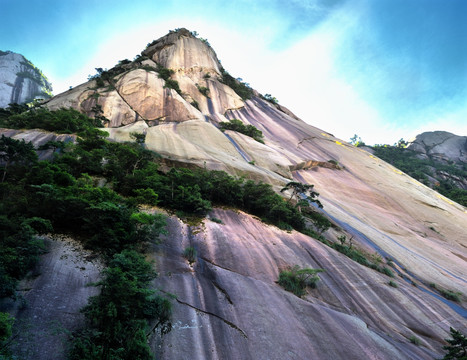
x: 195, y: 104
x: 451, y: 295
x: 271, y: 99
x: 239, y: 126
x: 173, y: 84
x: 148, y: 68
x: 63, y: 121
x: 6, y: 324
x: 448, y: 294
x: 216, y: 220
x: 386, y: 271
x: 296, y: 280
x: 19, y: 249
x: 203, y: 90
x: 242, y: 89
x: 409, y: 162
x: 414, y: 340
x: 166, y: 74
x: 190, y: 254
x: 393, y: 284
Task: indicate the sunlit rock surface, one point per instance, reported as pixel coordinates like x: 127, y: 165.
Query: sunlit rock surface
x: 228, y: 305
x: 20, y: 80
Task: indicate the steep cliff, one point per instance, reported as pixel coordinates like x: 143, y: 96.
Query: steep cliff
x: 227, y: 303
x: 20, y: 80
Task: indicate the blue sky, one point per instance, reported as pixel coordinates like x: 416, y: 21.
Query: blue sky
x: 383, y: 69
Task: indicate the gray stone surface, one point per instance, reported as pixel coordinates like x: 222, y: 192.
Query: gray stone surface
x: 20, y: 81
x: 53, y: 295
x: 441, y: 145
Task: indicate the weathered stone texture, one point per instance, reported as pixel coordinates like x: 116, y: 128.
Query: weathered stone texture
x: 20, y: 82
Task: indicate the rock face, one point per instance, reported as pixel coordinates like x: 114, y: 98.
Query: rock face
x: 228, y: 304
x: 52, y: 296
x: 20, y: 80
x: 441, y: 145
x: 38, y: 138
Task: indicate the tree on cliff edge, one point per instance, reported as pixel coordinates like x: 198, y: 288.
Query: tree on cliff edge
x: 303, y: 193
x: 457, y: 348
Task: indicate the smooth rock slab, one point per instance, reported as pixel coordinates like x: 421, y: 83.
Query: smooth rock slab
x: 53, y: 296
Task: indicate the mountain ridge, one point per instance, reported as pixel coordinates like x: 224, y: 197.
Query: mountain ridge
x: 227, y: 303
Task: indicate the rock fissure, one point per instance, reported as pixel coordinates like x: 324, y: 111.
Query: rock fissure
x: 306, y: 139
x: 126, y: 102
x: 214, y: 264
x: 229, y: 323
x: 428, y: 148
x: 223, y: 291
x: 17, y: 89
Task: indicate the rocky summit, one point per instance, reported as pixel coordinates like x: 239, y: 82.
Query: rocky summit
x: 20, y: 81
x: 227, y: 303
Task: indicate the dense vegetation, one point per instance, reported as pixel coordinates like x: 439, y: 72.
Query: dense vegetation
x: 118, y: 316
x: 239, y: 126
x: 63, y: 196
x: 270, y: 98
x: 64, y: 121
x: 421, y: 169
x: 6, y: 324
x: 40, y: 197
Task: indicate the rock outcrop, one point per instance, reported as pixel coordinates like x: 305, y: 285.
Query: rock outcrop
x: 228, y: 304
x: 20, y: 81
x: 39, y: 138
x: 441, y: 146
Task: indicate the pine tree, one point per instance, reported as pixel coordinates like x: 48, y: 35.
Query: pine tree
x: 457, y: 348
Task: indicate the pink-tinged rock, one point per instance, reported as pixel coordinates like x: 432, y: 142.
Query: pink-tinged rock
x: 145, y: 93
x: 229, y: 306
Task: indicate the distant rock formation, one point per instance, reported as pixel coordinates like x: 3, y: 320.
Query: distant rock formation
x: 20, y: 81
x: 441, y: 146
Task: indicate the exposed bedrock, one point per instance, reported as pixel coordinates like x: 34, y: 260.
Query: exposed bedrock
x: 229, y: 306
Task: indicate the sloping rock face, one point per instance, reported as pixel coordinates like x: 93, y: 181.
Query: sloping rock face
x: 52, y: 297
x: 228, y: 305
x: 20, y: 80
x: 441, y: 145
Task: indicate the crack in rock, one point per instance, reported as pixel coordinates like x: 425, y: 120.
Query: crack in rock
x: 223, y: 291
x: 305, y: 139
x: 124, y: 100
x: 213, y: 264
x: 231, y: 324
